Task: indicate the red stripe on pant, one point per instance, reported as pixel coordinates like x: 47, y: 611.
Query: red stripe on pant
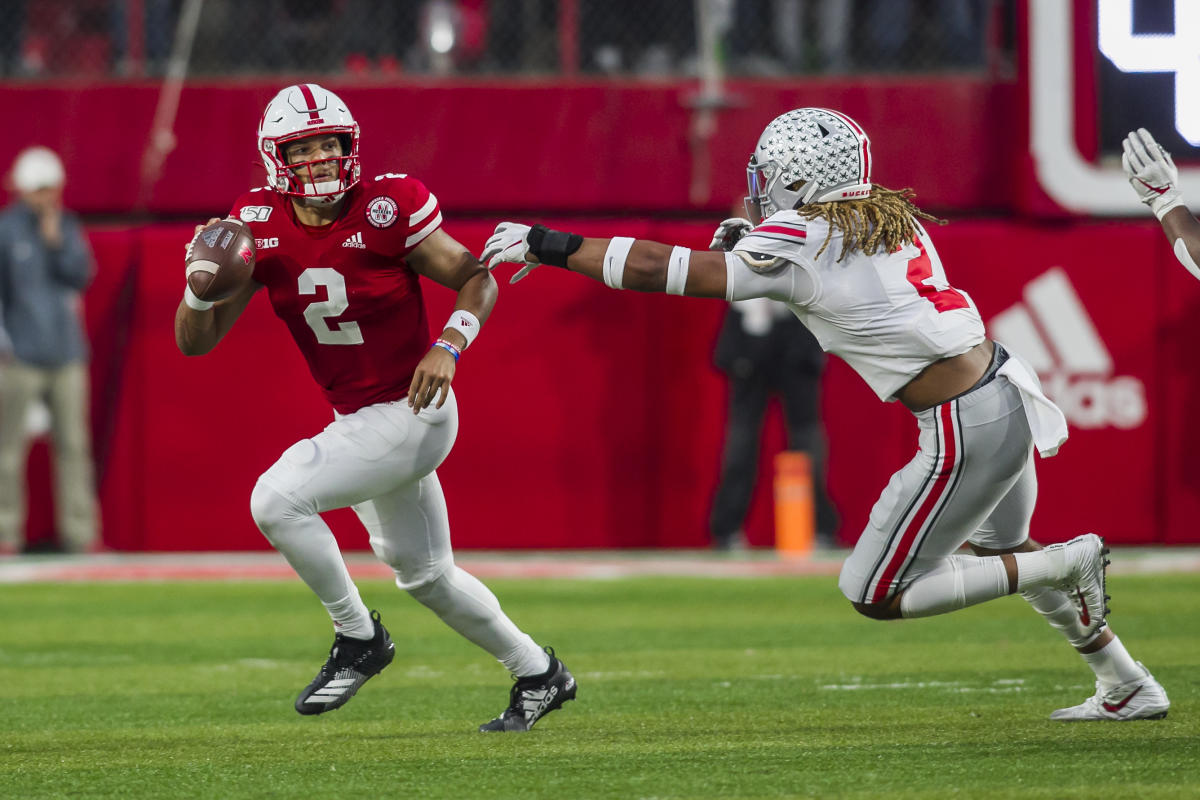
x: 941, y: 480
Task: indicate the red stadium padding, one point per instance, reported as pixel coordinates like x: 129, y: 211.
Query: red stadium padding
x: 592, y: 418
x: 575, y: 147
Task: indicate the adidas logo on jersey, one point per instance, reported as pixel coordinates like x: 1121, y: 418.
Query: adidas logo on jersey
x: 355, y: 241
x: 1054, y: 333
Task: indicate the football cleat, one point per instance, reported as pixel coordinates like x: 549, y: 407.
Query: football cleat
x: 351, y: 663
x: 534, y: 697
x: 1144, y: 698
x: 1086, y: 561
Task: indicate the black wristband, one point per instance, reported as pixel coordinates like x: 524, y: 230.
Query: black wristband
x: 552, y: 247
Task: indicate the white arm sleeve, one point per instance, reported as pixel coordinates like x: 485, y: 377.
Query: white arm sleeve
x: 788, y: 282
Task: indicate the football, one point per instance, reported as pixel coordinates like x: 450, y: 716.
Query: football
x: 221, y: 260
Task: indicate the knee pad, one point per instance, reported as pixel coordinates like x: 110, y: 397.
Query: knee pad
x: 270, y: 507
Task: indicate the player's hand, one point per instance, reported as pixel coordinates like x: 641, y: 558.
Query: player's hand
x: 509, y: 243
x: 187, y: 248
x: 729, y: 232
x: 1152, y: 172
x: 431, y: 379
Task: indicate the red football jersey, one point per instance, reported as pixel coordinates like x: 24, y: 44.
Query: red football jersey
x: 347, y: 295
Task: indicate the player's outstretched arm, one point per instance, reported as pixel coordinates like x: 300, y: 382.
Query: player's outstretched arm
x: 1153, y: 175
x: 443, y: 260
x: 620, y: 263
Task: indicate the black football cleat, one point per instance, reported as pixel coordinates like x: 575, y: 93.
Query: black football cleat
x: 533, y: 697
x: 351, y: 663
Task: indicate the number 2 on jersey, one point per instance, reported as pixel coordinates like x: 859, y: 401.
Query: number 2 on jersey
x: 929, y: 278
x: 320, y: 316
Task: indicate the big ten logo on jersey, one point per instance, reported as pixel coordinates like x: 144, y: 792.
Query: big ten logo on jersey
x: 1055, y: 334
x: 263, y: 244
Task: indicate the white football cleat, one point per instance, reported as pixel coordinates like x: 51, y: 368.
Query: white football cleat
x: 1144, y: 698
x: 1084, y: 581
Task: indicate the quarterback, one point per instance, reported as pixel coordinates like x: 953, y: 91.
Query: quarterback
x: 340, y: 258
x: 854, y: 263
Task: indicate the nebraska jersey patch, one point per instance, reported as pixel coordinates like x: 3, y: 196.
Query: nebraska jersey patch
x: 382, y: 212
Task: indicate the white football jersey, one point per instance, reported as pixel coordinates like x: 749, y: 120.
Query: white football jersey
x: 888, y: 316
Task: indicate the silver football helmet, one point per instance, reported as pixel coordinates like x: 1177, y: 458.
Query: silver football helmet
x: 809, y: 155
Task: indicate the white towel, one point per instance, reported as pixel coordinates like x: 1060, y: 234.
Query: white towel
x: 1047, y: 422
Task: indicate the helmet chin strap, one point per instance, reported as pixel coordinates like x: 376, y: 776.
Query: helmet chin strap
x: 324, y: 193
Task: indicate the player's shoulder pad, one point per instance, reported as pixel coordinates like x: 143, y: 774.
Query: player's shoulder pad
x: 409, y: 193
x: 786, y: 227
x: 257, y: 205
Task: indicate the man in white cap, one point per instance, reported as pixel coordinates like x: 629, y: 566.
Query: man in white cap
x: 45, y: 264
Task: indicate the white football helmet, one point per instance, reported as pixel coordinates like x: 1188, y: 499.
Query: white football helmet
x: 809, y: 155
x: 298, y: 112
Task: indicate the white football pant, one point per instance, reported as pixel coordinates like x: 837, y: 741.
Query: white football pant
x: 380, y: 460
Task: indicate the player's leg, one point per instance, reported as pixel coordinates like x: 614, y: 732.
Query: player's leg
x: 18, y: 388
x: 739, y: 461
x: 972, y: 451
x: 1125, y: 688
x: 74, y: 482
x: 410, y: 531
x: 357, y: 457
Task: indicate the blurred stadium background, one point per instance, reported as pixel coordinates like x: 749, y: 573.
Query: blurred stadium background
x: 593, y: 419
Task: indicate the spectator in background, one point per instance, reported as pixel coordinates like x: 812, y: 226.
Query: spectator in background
x: 45, y: 264
x: 765, y: 350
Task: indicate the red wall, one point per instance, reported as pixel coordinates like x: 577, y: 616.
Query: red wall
x: 592, y: 418
x: 589, y: 148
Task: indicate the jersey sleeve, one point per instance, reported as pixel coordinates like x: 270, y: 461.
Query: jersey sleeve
x: 782, y: 236
x: 783, y: 280
x: 418, y: 213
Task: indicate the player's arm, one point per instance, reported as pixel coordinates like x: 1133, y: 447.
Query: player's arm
x: 1153, y: 175
x: 620, y: 263
x: 443, y: 260
x: 197, y: 331
x: 200, y: 325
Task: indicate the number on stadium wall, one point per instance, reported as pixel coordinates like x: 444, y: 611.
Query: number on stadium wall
x: 929, y: 278
x: 320, y: 316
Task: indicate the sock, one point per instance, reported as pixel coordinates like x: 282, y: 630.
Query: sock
x: 1040, y: 568
x: 470, y: 608
x: 350, y: 616
x: 1057, y: 608
x: 1113, y: 665
x: 959, y: 581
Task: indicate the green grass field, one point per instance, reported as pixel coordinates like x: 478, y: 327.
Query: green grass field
x: 689, y: 688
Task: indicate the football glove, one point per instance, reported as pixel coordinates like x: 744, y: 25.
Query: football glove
x: 728, y: 232
x: 1152, y: 172
x: 509, y: 243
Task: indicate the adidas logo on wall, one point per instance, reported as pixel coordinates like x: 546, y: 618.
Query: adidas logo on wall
x: 355, y: 241
x: 1053, y: 332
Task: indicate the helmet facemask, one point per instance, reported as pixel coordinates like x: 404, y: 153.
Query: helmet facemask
x: 290, y: 174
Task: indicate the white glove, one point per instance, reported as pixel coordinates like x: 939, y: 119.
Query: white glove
x: 728, y: 232
x: 1152, y: 172
x: 509, y: 243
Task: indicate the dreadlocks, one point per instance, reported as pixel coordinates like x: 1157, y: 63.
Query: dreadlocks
x: 885, y: 218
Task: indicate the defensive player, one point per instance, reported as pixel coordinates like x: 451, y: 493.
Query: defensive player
x: 1154, y: 177
x: 340, y: 258
x: 854, y: 263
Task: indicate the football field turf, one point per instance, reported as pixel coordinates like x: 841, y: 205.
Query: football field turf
x: 688, y: 688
